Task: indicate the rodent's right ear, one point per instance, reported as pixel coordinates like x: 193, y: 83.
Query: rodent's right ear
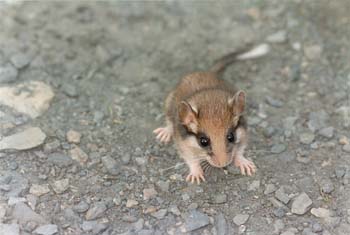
x: 188, y: 115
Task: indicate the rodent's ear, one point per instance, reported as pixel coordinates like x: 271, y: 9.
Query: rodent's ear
x: 188, y: 115
x: 237, y: 102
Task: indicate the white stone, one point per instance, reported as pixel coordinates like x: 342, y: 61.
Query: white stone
x: 73, y: 136
x: 27, y: 139
x: 48, y: 229
x: 31, y: 98
x: 321, y: 212
x: 39, y: 190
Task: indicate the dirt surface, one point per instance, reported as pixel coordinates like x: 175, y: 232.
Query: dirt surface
x: 99, y: 170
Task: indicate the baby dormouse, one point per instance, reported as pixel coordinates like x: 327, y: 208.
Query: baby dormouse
x: 205, y: 118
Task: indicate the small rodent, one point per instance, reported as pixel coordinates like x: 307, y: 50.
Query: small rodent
x: 205, y: 118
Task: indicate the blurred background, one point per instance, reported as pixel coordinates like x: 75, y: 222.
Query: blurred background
x: 82, y: 86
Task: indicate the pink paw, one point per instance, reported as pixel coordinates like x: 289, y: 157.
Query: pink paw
x: 246, y: 166
x: 164, y: 134
x: 196, y: 175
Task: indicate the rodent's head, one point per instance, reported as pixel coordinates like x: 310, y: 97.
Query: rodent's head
x: 214, y: 119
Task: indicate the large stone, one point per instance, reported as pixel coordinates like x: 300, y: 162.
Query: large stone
x: 195, y: 220
x: 301, y: 204
x: 321, y: 212
x: 48, y: 229
x: 31, y: 98
x: 9, y: 229
x: 24, y: 214
x: 29, y: 138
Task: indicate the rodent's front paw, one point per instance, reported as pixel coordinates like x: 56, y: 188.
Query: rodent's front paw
x: 246, y: 166
x: 195, y: 175
x: 164, y: 134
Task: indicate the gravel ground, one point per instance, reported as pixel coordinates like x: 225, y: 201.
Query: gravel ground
x: 82, y: 86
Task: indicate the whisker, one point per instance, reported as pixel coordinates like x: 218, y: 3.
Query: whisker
x: 206, y: 168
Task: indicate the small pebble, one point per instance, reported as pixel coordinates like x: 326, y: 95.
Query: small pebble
x: 73, y: 137
x: 81, y: 207
x: 278, y: 148
x: 279, y: 212
x: 306, y: 138
x: 301, y: 204
x: 219, y: 199
x: 131, y: 203
x: 327, y: 132
x: 39, y: 190
x: 240, y: 219
x: 278, y: 37
x: 60, y: 186
x: 344, y: 140
x: 282, y: 196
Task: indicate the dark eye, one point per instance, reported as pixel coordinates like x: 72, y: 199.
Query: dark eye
x: 231, y: 137
x: 204, y: 141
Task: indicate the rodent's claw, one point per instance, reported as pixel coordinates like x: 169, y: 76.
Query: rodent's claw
x: 246, y: 166
x: 164, y: 134
x: 195, y: 176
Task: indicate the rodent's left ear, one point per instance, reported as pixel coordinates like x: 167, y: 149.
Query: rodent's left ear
x: 237, y: 102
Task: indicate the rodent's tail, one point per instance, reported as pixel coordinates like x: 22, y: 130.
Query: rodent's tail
x: 242, y: 54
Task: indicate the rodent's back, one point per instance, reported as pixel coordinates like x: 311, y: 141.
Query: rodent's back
x: 196, y: 82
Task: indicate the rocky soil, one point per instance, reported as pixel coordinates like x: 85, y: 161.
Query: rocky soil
x: 82, y: 87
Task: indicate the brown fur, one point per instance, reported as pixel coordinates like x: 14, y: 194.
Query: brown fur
x: 203, y: 104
